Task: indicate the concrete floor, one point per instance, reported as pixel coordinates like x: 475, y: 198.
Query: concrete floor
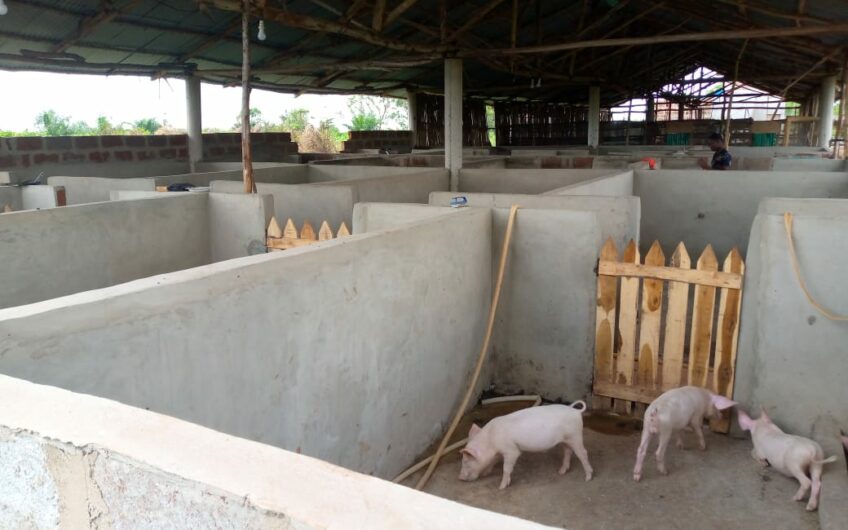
x: 722, y: 488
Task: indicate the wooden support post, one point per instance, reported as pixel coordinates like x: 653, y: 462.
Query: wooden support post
x: 246, y: 158
x: 732, y: 91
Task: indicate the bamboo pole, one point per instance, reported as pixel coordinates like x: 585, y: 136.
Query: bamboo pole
x: 246, y: 157
x: 843, y: 113
x: 733, y: 90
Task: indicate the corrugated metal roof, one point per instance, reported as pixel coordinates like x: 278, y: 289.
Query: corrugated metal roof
x: 175, y: 37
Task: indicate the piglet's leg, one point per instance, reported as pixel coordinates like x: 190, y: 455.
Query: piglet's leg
x: 804, y: 481
x: 566, y: 459
x: 640, y: 454
x: 509, y: 460
x: 679, y: 442
x: 576, y: 443
x: 816, y: 472
x: 665, y: 437
x: 758, y: 457
x: 698, y: 427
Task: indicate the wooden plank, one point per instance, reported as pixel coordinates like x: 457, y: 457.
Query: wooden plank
x: 605, y: 323
x: 626, y: 393
x: 700, y: 340
x: 61, y: 196
x: 161, y: 188
x: 649, y: 323
x: 675, y: 323
x: 325, y: 232
x: 284, y: 243
x: 709, y: 278
x: 290, y: 231
x: 343, y: 231
x: 724, y: 367
x: 625, y: 364
x: 307, y: 232
x: 7, y: 208
x: 274, y: 229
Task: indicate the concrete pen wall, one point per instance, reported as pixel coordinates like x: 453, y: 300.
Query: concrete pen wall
x: 619, y: 185
x: 718, y: 207
x: 306, y: 349
x: 526, y: 181
x: 85, y: 190
x: 792, y: 359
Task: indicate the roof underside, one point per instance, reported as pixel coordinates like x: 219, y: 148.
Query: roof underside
x: 387, y: 46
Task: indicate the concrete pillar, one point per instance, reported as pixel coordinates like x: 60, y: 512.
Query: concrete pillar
x: 649, y: 109
x: 453, y: 120
x: 826, y: 99
x: 194, y: 125
x: 594, y: 116
x: 413, y: 110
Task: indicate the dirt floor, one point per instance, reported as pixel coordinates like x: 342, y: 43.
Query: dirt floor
x: 721, y: 488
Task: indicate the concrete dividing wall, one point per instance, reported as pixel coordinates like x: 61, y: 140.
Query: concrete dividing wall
x: 530, y: 182
x: 544, y: 336
x: 63, y: 469
x: 618, y: 216
x: 718, y: 207
x: 620, y: 185
x: 36, y: 197
x: 56, y: 252
x: 372, y: 217
x: 411, y: 187
x: 326, y: 173
x: 305, y: 349
x: 809, y: 164
x: 281, y: 174
x: 792, y: 359
x: 237, y: 224
x: 302, y: 202
x: 84, y: 190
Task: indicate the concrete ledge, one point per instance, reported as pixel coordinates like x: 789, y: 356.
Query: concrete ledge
x: 79, y: 461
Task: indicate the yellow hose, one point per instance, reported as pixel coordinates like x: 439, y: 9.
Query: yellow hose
x: 483, y: 352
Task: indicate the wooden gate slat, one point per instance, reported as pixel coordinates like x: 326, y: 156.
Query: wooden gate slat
x: 730, y: 302
x: 649, y: 326
x: 700, y: 340
x: 625, y: 366
x: 675, y: 323
x: 605, y: 324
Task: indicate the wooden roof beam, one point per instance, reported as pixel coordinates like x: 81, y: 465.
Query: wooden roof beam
x: 756, y: 7
x: 399, y: 10
x: 702, y: 36
x: 379, y: 15
x: 235, y: 23
x: 480, y: 14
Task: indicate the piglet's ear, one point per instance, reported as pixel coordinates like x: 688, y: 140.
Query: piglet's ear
x: 845, y: 441
x: 721, y: 402
x: 745, y: 421
x: 474, y: 430
x: 469, y: 451
x: 764, y: 415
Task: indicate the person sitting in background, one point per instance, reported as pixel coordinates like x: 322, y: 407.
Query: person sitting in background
x: 721, y: 158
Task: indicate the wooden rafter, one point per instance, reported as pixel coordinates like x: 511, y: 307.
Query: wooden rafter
x: 479, y: 14
x: 379, y: 15
x: 90, y: 23
x: 399, y: 10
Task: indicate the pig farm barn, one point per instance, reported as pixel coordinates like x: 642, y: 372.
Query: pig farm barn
x: 215, y: 330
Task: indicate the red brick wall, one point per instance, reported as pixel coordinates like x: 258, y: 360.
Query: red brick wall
x: 30, y: 151
x: 400, y: 141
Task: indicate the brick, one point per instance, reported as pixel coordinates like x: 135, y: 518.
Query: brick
x: 86, y: 142
x: 7, y: 161
x: 168, y: 153
x: 583, y: 162
x: 145, y: 155
x: 209, y: 139
x: 59, y: 143
x: 42, y: 158
x: 234, y: 151
x: 136, y: 141
x: 216, y: 151
x: 177, y: 140
x: 98, y: 156
x: 32, y: 143
x: 157, y: 141
x: 111, y: 141
x: 25, y: 161
x: 71, y: 156
x: 124, y: 156
x: 182, y: 153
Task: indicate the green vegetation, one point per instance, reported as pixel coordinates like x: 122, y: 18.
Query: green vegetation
x: 490, y: 123
x: 373, y: 113
x: 51, y: 123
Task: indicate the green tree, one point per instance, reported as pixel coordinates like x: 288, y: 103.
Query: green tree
x: 294, y: 121
x: 50, y: 123
x: 377, y: 113
x: 147, y: 125
x: 256, y: 122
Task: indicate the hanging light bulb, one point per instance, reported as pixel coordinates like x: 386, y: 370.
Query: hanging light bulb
x: 260, y: 35
x: 3, y: 8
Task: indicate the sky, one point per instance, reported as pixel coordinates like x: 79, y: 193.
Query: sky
x: 128, y: 98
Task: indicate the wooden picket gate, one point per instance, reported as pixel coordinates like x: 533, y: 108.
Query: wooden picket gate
x: 281, y: 239
x: 630, y: 374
